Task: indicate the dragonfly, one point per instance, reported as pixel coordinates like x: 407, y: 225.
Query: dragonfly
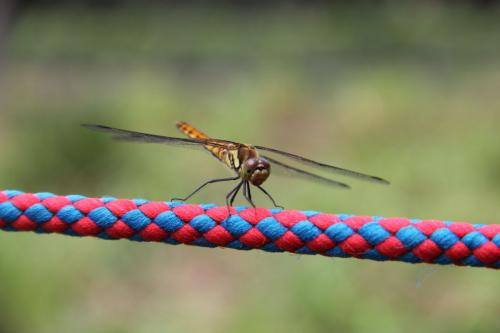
x: 251, y: 164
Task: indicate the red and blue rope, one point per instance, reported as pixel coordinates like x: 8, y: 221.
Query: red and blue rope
x: 274, y: 230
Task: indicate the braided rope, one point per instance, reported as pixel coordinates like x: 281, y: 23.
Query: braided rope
x: 274, y: 230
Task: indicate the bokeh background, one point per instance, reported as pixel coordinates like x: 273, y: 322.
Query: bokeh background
x: 405, y: 90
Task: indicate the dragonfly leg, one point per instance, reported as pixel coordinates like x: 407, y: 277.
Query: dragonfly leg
x: 229, y: 195
x: 232, y: 194
x: 270, y: 197
x: 248, y: 194
x: 205, y: 184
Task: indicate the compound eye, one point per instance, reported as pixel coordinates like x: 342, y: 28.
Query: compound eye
x: 251, y: 164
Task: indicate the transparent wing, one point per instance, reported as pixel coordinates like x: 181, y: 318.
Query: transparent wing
x: 280, y: 167
x: 325, y: 167
x: 126, y: 135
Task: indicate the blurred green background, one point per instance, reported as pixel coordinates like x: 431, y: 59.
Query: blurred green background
x: 404, y: 90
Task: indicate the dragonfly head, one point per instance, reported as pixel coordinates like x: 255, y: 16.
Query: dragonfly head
x: 256, y: 170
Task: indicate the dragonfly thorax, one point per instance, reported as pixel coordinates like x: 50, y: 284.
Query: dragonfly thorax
x: 256, y: 170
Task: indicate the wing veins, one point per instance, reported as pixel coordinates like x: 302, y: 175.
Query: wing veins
x: 326, y: 167
x: 126, y: 135
x: 304, y: 173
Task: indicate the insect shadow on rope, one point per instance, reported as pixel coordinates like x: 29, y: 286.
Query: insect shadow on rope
x: 250, y: 167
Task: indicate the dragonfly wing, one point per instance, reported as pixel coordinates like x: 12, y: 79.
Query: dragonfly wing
x: 126, y: 135
x: 325, y: 167
x: 280, y: 167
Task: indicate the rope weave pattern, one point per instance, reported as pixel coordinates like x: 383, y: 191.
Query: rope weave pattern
x: 274, y: 230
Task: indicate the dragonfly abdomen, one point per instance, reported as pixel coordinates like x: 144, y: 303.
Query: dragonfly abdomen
x: 191, y: 131
x: 220, y: 153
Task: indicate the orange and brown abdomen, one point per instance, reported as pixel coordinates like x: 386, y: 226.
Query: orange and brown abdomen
x: 191, y: 131
x: 195, y: 133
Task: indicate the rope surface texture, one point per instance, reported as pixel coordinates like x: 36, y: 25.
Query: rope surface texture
x: 274, y: 230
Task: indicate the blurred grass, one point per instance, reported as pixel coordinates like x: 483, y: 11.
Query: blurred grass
x: 408, y: 92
